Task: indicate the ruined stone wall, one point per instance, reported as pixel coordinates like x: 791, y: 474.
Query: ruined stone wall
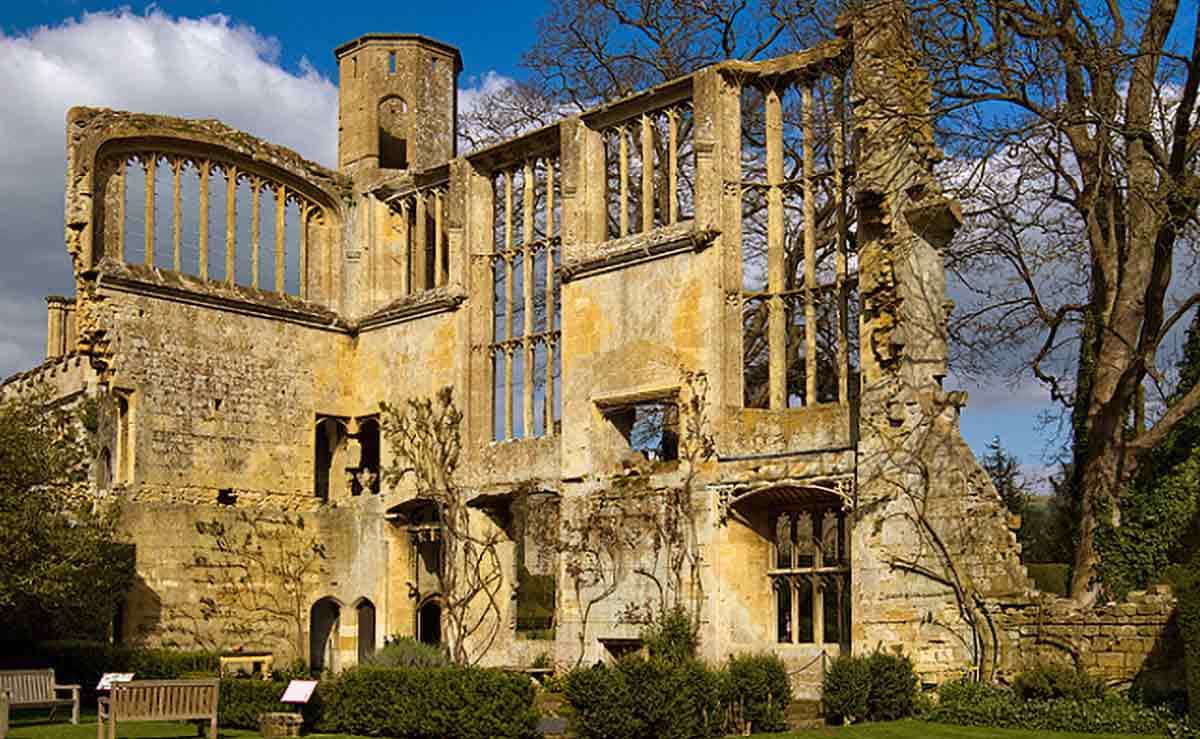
x: 1135, y: 640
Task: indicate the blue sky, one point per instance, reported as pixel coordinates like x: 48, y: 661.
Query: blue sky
x: 266, y: 67
x: 491, y: 35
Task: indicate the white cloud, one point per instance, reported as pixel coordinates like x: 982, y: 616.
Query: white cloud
x: 197, y: 68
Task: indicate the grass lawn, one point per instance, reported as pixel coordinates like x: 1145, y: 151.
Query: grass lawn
x: 924, y: 730
x: 35, y: 726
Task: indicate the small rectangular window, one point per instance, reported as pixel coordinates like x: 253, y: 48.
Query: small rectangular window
x: 651, y: 428
x: 391, y: 62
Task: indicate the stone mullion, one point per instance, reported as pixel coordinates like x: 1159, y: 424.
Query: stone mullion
x: 231, y: 176
x: 673, y: 165
x: 150, y: 166
x: 177, y: 216
x: 647, y: 173
x: 405, y: 247
x: 421, y: 244
x: 818, y: 593
x: 280, y: 237
x: 306, y: 211
x: 839, y: 188
x: 508, y: 305
x: 623, y: 169
x: 438, y: 238
x: 550, y: 298
x: 255, y: 239
x: 116, y: 197
x: 528, y: 213
x: 810, y: 251
x: 777, y: 314
x: 205, y: 167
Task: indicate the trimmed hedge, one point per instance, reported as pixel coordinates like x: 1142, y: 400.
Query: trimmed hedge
x: 757, y: 692
x: 243, y: 699
x: 877, y: 687
x: 646, y: 697
x: 1057, y: 682
x: 466, y: 703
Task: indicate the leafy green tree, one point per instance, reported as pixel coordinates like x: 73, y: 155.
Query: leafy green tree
x: 62, y: 573
x: 1161, y: 506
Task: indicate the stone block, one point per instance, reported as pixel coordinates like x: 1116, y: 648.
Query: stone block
x: 280, y: 724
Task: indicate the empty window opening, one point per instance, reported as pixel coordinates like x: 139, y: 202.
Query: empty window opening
x: 323, y: 635
x: 329, y: 447
x: 104, y: 470
x: 393, y: 143
x: 391, y: 62
x: 125, y: 441
x: 433, y: 65
x: 365, y: 477
x: 535, y: 524
x: 366, y: 630
x: 217, y: 404
x: 226, y: 496
x: 429, y: 622
x: 810, y: 574
x: 651, y: 428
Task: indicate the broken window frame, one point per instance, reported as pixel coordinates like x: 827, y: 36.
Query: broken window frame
x: 625, y: 418
x: 512, y: 256
x: 422, y: 248
x: 783, y: 305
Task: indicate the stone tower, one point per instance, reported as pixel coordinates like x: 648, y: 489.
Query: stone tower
x: 397, y: 102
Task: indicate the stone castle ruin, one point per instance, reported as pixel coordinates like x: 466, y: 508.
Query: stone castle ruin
x: 684, y: 349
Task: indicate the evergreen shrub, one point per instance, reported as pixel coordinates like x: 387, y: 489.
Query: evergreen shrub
x: 757, y: 692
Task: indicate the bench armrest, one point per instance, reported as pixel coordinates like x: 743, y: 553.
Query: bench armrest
x: 72, y: 688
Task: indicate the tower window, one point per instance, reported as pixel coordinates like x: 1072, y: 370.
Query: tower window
x: 391, y: 62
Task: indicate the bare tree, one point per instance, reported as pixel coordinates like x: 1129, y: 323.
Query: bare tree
x: 1074, y: 124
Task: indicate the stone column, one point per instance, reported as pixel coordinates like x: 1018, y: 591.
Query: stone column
x: 55, y: 326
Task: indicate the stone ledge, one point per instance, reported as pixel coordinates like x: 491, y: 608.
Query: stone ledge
x: 665, y: 241
x: 417, y: 305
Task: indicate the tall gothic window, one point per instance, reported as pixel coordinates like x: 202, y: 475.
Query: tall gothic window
x: 810, y: 574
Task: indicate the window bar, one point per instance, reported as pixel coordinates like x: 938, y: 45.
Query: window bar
x: 439, y: 239
x: 280, y: 225
x: 839, y: 187
x: 550, y: 297
x: 528, y: 208
x: 647, y: 173
x: 255, y: 239
x: 150, y: 165
x: 624, y: 170
x: 177, y: 216
x: 119, y: 200
x: 810, y: 254
x: 205, y: 170
x: 306, y: 211
x: 508, y: 303
x: 231, y: 177
x: 421, y: 244
x: 777, y: 328
x: 673, y: 165
x: 405, y: 247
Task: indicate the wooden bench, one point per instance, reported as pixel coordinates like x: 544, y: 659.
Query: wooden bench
x: 159, y: 700
x: 37, y: 689
x: 3, y: 714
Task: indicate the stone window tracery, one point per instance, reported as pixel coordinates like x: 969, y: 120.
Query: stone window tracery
x: 810, y: 575
x: 526, y: 301
x: 650, y: 170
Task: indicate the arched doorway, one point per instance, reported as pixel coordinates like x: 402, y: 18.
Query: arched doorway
x: 366, y: 629
x: 323, y: 634
x: 429, y: 622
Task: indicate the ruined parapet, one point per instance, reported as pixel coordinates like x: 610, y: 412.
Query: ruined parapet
x: 932, y: 541
x: 60, y: 326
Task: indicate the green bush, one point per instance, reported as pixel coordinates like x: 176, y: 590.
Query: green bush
x: 878, y: 687
x: 974, y: 704
x: 408, y: 652
x: 1054, y: 579
x: 1187, y: 590
x: 757, y: 692
x: 646, y: 697
x: 1057, y: 682
x: 846, y: 689
x: 893, y: 686
x: 467, y: 703
x: 672, y: 637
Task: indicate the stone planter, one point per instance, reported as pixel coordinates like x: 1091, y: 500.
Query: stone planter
x: 280, y: 724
